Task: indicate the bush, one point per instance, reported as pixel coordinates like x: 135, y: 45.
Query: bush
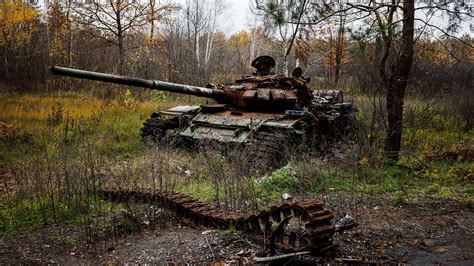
x: 271, y: 187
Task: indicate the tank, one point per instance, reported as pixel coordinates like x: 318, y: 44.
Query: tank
x: 263, y: 111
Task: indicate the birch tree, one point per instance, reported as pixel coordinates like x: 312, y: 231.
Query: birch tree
x: 203, y: 20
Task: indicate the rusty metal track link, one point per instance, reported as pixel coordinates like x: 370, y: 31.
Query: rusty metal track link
x: 293, y: 226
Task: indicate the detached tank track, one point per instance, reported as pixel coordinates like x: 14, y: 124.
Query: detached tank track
x: 291, y: 227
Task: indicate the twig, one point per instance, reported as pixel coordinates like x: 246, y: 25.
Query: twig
x: 210, y: 248
x: 244, y: 239
x: 272, y: 258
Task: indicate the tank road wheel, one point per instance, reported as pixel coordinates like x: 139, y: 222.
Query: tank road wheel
x: 156, y: 130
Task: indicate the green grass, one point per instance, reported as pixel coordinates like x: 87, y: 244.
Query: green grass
x: 24, y: 214
x: 67, y: 240
x: 200, y: 189
x: 428, y: 127
x: 439, y: 179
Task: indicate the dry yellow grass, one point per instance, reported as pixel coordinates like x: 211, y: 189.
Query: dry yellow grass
x: 29, y: 122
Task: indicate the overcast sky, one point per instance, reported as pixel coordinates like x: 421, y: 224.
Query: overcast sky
x: 240, y: 18
x: 240, y: 15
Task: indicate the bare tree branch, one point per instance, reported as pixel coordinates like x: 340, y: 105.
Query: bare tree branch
x: 444, y: 32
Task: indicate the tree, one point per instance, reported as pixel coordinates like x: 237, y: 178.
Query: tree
x: 114, y: 20
x: 276, y: 14
x: 240, y: 42
x: 258, y: 39
x: 58, y: 29
x: 331, y: 44
x: 398, y: 42
x: 17, y: 22
x: 155, y: 14
x: 203, y: 19
x: 396, y: 82
x: 337, y: 43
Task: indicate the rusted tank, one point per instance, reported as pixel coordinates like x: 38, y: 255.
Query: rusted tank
x: 262, y: 111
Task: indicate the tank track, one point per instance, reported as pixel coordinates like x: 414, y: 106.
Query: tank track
x: 267, y: 151
x: 294, y: 226
x: 154, y: 128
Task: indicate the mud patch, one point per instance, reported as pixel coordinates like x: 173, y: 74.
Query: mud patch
x: 423, y: 231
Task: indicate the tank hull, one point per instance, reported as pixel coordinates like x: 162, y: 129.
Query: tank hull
x: 266, y: 138
x: 227, y: 126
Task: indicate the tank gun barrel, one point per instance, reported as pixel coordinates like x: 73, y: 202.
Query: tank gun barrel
x: 144, y: 83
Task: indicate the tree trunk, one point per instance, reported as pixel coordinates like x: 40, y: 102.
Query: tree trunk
x: 253, y: 40
x: 120, y: 32
x: 151, y: 43
x: 5, y: 62
x: 337, y: 68
x: 285, y: 60
x: 197, y: 36
x: 397, y: 84
x: 339, y: 51
x: 69, y: 29
x: 121, y: 54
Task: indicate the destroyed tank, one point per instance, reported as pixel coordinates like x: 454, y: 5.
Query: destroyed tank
x: 263, y: 111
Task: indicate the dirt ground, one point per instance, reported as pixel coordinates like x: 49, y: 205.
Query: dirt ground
x: 421, y: 231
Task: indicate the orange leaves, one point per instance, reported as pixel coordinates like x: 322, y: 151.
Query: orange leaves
x: 303, y: 50
x: 243, y: 36
x: 442, y: 52
x: 240, y: 38
x: 16, y: 21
